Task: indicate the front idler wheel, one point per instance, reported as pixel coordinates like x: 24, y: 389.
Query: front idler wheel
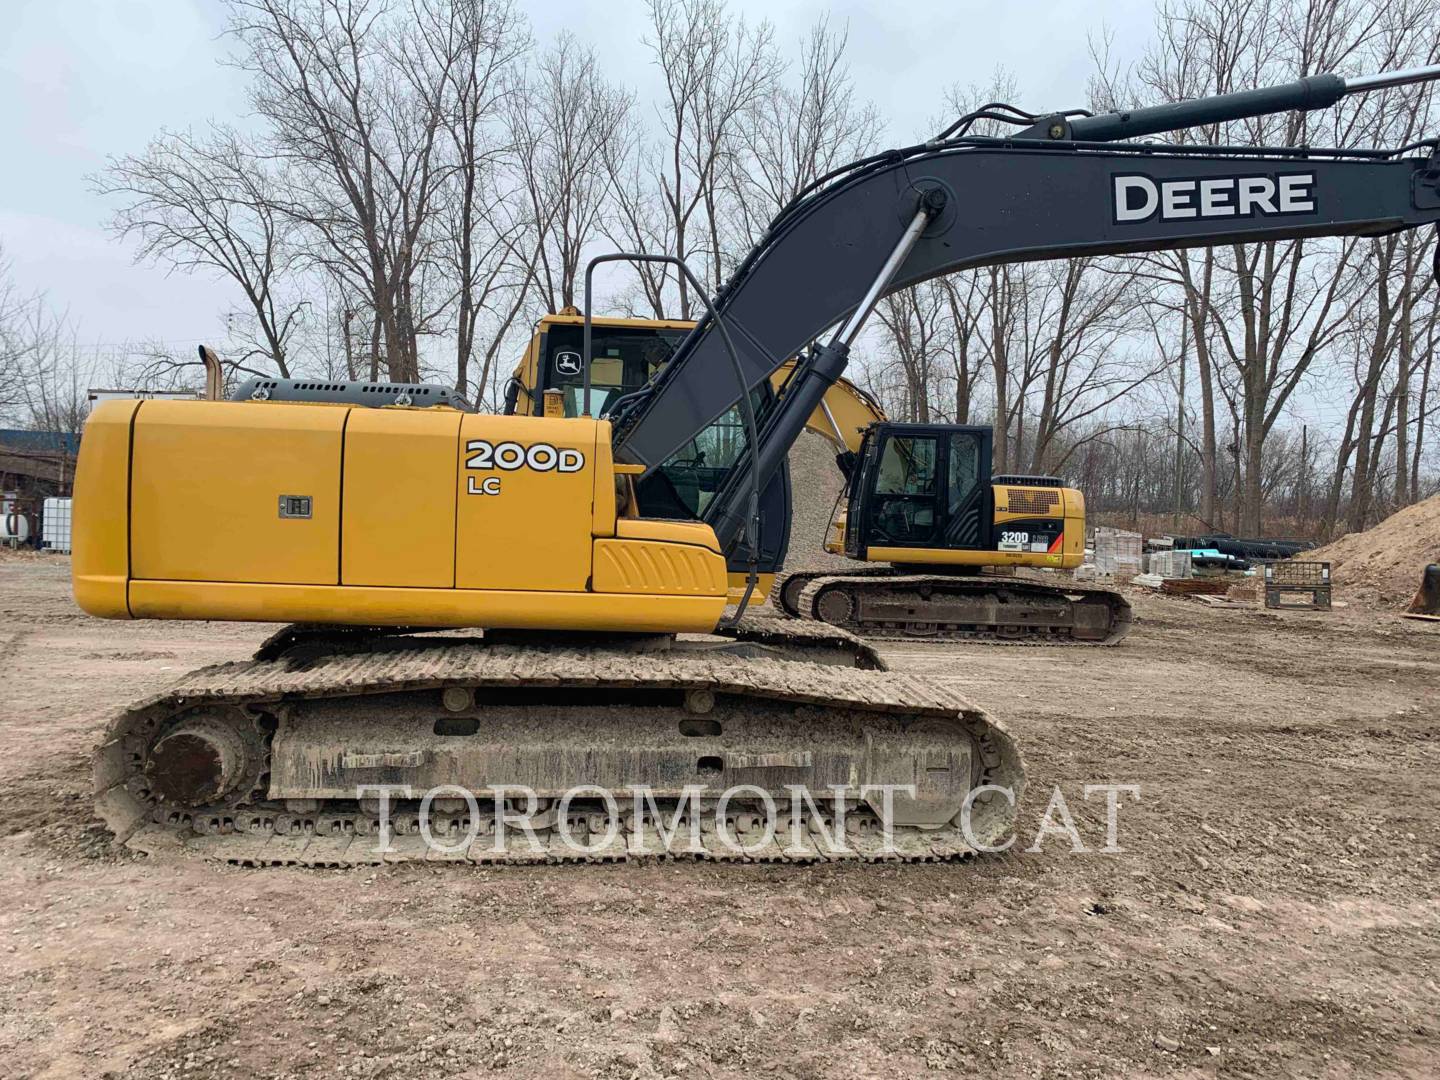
x: 204, y: 760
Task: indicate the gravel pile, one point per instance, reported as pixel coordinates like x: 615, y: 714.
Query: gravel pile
x: 815, y: 484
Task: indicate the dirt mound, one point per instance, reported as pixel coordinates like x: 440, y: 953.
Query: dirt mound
x: 815, y: 484
x: 1381, y: 566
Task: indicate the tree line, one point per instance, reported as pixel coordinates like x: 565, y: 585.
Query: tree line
x: 415, y: 181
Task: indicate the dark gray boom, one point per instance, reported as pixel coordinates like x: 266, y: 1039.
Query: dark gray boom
x: 1059, y: 189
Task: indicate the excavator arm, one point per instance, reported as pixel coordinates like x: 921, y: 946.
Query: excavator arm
x: 904, y: 217
x: 843, y: 413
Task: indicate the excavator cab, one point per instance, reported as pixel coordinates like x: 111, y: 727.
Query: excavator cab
x: 923, y: 495
x: 920, y: 487
x: 921, y: 498
x: 625, y: 354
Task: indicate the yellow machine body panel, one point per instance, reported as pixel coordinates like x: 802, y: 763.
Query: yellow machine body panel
x: 906, y: 556
x: 652, y: 566
x: 289, y: 512
x: 1032, y: 526
x: 1058, y: 512
x: 674, y: 532
x: 209, y: 480
x: 525, y: 503
x: 1073, y: 548
x: 372, y: 606
x: 399, y: 495
x: 100, y: 567
x: 1021, y: 503
x: 740, y: 582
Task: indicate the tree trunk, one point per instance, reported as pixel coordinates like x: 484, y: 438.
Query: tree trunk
x: 1360, y: 491
x: 1197, y: 305
x: 1420, y: 414
x: 999, y: 334
x: 1402, y: 401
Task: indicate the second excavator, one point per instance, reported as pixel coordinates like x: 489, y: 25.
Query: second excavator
x: 926, y: 510
x: 388, y: 522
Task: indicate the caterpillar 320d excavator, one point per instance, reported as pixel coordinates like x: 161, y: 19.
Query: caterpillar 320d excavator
x: 607, y: 661
x: 921, y: 497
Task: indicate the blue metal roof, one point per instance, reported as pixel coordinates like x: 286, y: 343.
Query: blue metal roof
x: 50, y: 442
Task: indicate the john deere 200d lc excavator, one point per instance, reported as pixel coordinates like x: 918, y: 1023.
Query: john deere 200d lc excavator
x: 921, y: 498
x: 606, y: 664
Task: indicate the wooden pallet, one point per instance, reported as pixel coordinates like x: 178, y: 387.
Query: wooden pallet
x: 1195, y: 586
x: 1222, y: 601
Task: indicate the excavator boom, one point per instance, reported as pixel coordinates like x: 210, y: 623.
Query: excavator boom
x: 990, y: 201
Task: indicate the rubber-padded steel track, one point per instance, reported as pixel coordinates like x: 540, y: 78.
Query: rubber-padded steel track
x: 272, y: 694
x: 888, y: 604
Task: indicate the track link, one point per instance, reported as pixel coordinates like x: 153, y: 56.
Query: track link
x: 882, y: 603
x: 309, y: 723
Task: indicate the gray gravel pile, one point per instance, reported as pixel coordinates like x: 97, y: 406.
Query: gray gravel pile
x: 815, y: 483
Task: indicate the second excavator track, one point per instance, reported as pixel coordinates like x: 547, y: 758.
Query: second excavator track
x: 887, y: 604
x: 261, y: 762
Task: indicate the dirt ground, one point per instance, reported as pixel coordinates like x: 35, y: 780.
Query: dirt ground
x: 1275, y: 910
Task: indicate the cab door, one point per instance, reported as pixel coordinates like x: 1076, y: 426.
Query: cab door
x: 968, y: 496
x: 906, y: 507
x: 857, y: 492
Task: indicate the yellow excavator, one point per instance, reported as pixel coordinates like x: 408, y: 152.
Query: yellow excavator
x: 510, y: 632
x: 922, y: 497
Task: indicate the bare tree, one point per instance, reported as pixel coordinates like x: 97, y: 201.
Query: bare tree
x: 1003, y: 300
x: 1272, y: 308
x: 209, y: 203
x: 715, y: 69
x: 918, y: 329
x: 1079, y: 317
x: 565, y: 121
x: 640, y: 220
x: 362, y: 152
x: 808, y: 126
x: 964, y: 299
x: 14, y: 344
x: 457, y: 58
x: 1425, y: 340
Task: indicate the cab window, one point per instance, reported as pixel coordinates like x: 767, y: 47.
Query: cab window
x: 964, y: 469
x: 904, y: 504
x: 623, y: 360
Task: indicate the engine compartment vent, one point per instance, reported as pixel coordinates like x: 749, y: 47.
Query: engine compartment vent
x: 1025, y: 480
x: 1029, y: 501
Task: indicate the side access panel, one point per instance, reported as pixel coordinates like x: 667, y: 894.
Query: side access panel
x: 100, y: 533
x: 400, y: 498
x: 222, y: 491
x: 525, y: 503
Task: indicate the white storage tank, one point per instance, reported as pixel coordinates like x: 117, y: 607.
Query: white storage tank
x: 14, y: 526
x: 55, y: 525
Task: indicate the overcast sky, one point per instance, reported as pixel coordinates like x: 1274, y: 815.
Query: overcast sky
x: 84, y: 79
